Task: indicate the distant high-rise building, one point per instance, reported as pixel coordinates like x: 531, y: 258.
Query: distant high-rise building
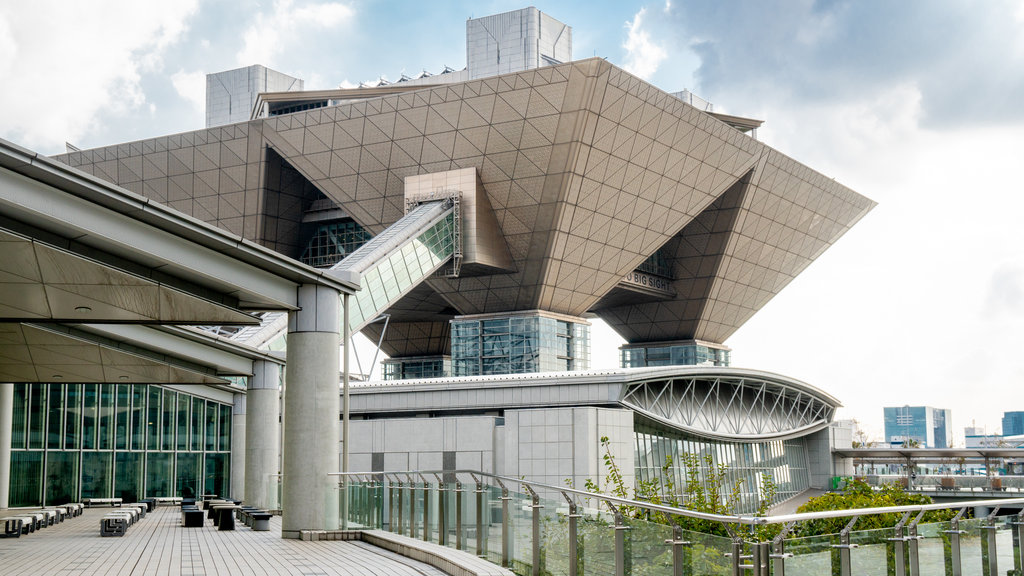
x: 1013, y: 423
x: 928, y: 427
x: 230, y: 95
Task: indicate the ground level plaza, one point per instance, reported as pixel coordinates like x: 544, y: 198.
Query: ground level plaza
x: 158, y: 544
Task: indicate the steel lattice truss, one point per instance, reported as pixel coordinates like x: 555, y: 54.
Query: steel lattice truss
x: 732, y: 408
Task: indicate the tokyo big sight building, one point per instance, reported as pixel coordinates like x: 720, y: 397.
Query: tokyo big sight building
x: 490, y: 213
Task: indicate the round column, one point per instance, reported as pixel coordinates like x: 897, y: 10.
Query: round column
x: 6, y: 419
x: 238, y: 425
x: 262, y: 436
x: 311, y: 431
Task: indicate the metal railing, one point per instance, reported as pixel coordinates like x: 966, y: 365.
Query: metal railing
x: 535, y: 528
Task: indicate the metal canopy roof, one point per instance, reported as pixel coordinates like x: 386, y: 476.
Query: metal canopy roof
x: 92, y: 274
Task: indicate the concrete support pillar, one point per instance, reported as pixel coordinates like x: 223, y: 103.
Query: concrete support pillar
x: 311, y: 431
x: 6, y: 419
x: 262, y: 423
x: 238, y: 447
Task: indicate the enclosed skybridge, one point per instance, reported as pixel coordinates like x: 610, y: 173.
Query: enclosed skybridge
x: 391, y: 264
x: 402, y: 256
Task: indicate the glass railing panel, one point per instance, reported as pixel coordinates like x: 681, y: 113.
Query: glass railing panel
x: 869, y: 557
x: 521, y: 515
x: 1004, y: 544
x: 706, y: 553
x: 493, y: 517
x: 932, y: 547
x: 812, y: 556
x: 554, y: 537
x: 597, y: 546
x: 646, y: 550
x: 970, y: 547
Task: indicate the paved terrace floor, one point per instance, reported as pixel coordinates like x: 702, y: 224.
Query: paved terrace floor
x: 157, y: 544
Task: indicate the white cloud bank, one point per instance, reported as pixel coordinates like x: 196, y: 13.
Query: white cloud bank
x: 643, y: 56
x: 271, y: 34
x: 89, y: 61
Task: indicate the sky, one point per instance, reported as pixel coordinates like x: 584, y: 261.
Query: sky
x: 917, y: 104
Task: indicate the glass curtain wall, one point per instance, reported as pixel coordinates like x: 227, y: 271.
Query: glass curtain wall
x: 784, y: 460
x: 518, y: 345
x: 74, y: 441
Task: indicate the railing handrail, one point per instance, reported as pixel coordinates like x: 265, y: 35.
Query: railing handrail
x: 750, y: 520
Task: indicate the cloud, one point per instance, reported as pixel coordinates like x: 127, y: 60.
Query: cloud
x: 192, y: 87
x: 959, y: 55
x: 643, y: 56
x: 271, y: 34
x: 88, y: 63
x: 1006, y: 293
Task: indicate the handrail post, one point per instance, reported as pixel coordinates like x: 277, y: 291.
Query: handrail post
x: 779, y: 554
x: 535, y: 508
x: 954, y: 542
x: 479, y: 517
x: 426, y: 510
x: 506, y: 533
x: 679, y: 553
x: 442, y: 512
x: 459, y: 544
x: 989, y: 554
x: 401, y: 507
x: 621, y: 568
x: 913, y: 541
x: 574, y: 560
x: 737, y: 554
x: 1018, y: 541
x: 898, y: 541
x: 844, y: 547
x: 412, y: 508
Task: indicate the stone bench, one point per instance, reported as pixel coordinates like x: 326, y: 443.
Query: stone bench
x: 114, y: 525
x: 32, y: 520
x: 191, y: 517
x: 15, y: 526
x: 167, y: 500
x: 94, y: 502
x: 260, y: 520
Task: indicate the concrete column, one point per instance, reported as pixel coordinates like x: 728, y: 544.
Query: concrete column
x: 311, y: 431
x: 6, y: 419
x: 238, y: 446
x: 262, y: 423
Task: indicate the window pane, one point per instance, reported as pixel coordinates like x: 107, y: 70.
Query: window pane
x: 217, y: 474
x: 61, y: 477
x: 198, y: 417
x: 91, y: 401
x: 211, y: 426
x: 153, y: 419
x: 124, y: 407
x: 138, y: 432
x: 55, y: 410
x: 187, y: 480
x: 167, y: 420
x: 159, y: 474
x: 26, y: 479
x: 128, y: 476
x: 73, y: 416
x: 106, y: 418
x: 96, y: 474
x: 37, y: 416
x: 225, y: 428
x: 183, y: 414
x: 19, y: 423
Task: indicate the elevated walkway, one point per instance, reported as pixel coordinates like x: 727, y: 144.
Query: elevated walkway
x: 400, y: 258
x: 390, y: 265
